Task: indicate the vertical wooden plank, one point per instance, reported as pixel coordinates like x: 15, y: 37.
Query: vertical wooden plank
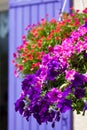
x: 20, y: 122
x: 26, y: 19
x: 41, y: 12
x: 58, y: 125
x: 19, y: 24
x: 66, y: 121
x: 50, y: 11
x: 49, y: 127
x: 69, y: 4
x: 57, y: 8
x: 12, y: 0
x: 34, y: 14
x: 11, y: 83
x: 42, y: 127
x: 34, y: 125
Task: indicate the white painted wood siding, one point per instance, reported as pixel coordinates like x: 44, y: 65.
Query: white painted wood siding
x: 78, y: 5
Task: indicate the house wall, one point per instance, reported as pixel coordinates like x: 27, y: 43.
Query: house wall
x: 80, y: 122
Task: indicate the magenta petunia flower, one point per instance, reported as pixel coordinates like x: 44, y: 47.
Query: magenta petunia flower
x: 70, y: 75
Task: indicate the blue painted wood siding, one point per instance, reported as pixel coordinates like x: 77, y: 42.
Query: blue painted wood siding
x: 22, y: 13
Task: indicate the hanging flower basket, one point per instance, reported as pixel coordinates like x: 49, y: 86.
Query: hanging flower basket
x: 53, y: 64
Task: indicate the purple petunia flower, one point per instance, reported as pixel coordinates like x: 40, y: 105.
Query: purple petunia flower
x: 79, y: 92
x: 19, y: 104
x: 67, y: 90
x: 64, y: 105
x: 28, y: 82
x: 46, y: 58
x: 42, y: 73
x: 40, y: 109
x: 79, y: 80
x: 54, y: 69
x: 85, y: 25
x: 85, y: 55
x: 34, y: 93
x: 27, y: 114
x: 54, y: 95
